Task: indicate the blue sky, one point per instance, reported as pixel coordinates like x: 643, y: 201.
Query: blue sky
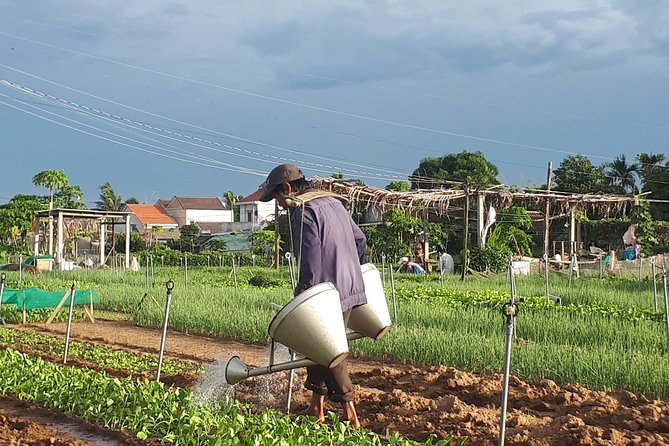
x: 195, y: 98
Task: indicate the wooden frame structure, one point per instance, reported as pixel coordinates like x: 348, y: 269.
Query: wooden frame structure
x: 103, y: 219
x: 422, y: 202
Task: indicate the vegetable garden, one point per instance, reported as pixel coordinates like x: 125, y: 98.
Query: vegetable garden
x: 606, y: 344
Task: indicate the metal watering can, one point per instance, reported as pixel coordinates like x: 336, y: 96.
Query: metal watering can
x: 308, y: 326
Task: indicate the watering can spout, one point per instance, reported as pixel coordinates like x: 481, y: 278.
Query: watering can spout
x: 235, y: 371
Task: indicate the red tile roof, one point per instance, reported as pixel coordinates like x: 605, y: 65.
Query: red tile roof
x: 200, y: 203
x: 209, y: 227
x: 255, y: 196
x: 149, y: 214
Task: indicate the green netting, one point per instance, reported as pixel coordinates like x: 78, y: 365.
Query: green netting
x: 37, y: 298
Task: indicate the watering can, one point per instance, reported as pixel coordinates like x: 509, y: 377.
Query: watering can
x: 307, y: 325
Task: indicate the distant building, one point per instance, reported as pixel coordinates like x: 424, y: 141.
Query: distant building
x: 147, y: 216
x: 255, y: 213
x: 152, y: 222
x: 187, y: 210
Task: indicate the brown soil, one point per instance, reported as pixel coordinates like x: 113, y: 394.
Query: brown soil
x: 419, y: 401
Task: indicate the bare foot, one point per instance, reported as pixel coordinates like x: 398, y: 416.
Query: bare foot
x: 350, y: 415
x: 316, y: 408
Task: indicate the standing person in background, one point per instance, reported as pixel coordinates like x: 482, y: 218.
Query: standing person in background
x: 329, y: 247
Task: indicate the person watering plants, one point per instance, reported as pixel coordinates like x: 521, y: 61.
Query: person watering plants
x: 329, y: 247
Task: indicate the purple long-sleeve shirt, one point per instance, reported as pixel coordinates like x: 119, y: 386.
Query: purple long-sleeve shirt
x: 330, y: 248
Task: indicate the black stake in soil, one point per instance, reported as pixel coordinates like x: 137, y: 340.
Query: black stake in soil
x: 509, y: 311
x: 666, y: 302
x: 2, y: 289
x: 652, y: 272
x: 69, y: 324
x: 169, y: 285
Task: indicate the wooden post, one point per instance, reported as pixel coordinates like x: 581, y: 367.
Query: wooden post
x: 103, y: 229
x: 547, y: 219
x: 58, y: 307
x: 59, y: 248
x: 127, y: 242
x: 572, y: 231
x: 466, y: 235
x: 480, y: 212
x: 426, y: 244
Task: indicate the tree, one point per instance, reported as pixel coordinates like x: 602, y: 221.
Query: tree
x: 16, y: 218
x: 69, y: 197
x: 261, y: 239
x: 109, y: 200
x: 398, y: 186
x: 510, y: 234
x: 655, y: 179
x: 188, y: 237
x: 578, y: 175
x: 137, y: 243
x: 396, y: 237
x: 232, y: 200
x: 648, y: 164
x: 622, y: 176
x: 645, y: 233
x: 470, y: 168
x: 52, y: 180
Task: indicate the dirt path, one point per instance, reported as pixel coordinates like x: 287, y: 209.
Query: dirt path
x: 419, y: 401
x: 24, y: 424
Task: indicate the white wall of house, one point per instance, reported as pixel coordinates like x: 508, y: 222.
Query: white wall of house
x: 135, y: 223
x: 256, y: 212
x: 193, y: 215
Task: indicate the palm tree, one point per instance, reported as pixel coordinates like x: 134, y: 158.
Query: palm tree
x: 109, y: 200
x: 52, y: 180
x: 622, y: 176
x: 648, y: 163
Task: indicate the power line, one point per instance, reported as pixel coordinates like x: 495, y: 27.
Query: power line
x: 238, y: 138
x: 303, y: 105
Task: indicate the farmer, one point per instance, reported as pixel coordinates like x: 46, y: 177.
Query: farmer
x: 407, y: 266
x: 329, y: 247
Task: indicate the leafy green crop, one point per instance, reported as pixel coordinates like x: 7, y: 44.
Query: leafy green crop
x: 170, y: 415
x: 101, y: 355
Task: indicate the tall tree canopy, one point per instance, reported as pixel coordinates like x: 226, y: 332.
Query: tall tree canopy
x: 52, y: 180
x: 470, y: 168
x: 16, y: 218
x: 654, y: 174
x: 61, y: 192
x: 578, y: 175
x: 109, y: 200
x: 622, y: 177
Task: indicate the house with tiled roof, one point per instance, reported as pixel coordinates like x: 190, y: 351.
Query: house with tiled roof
x: 152, y: 222
x: 255, y: 213
x: 187, y: 210
x: 147, y: 216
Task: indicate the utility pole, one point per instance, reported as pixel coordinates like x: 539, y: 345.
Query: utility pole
x: 547, y: 221
x: 465, y: 246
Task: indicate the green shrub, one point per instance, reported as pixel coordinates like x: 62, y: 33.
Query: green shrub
x: 488, y: 259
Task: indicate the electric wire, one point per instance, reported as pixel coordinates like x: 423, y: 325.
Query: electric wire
x: 223, y: 166
x: 238, y: 138
x: 303, y: 105
x: 153, y: 130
